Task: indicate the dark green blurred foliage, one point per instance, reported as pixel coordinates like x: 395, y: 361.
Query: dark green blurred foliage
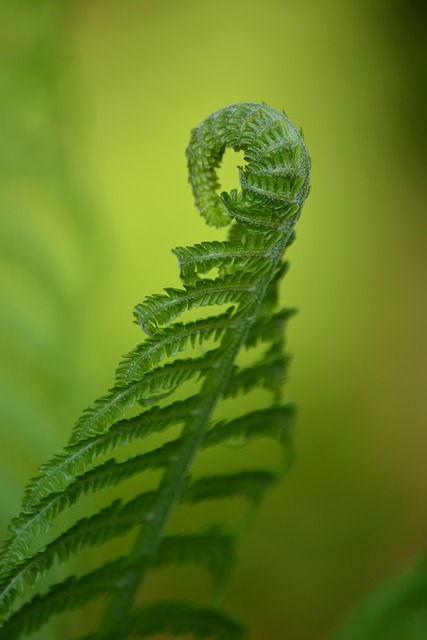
x: 405, y: 25
x: 395, y: 611
x: 353, y: 74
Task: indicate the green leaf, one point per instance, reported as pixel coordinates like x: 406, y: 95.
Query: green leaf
x: 213, y: 549
x: 154, y: 384
x: 163, y: 309
x: 270, y: 328
x: 270, y: 220
x: 245, y: 484
x: 56, y: 474
x: 269, y: 373
x: 168, y: 342
x: 201, y: 258
x: 275, y: 422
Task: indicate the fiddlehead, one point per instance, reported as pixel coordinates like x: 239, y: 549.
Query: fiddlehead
x: 276, y: 178
x: 274, y: 185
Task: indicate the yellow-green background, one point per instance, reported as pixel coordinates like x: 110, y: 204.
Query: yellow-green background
x: 97, y: 101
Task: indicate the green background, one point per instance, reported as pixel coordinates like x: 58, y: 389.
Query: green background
x: 97, y: 102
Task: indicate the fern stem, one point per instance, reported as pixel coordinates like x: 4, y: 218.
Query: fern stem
x: 176, y: 475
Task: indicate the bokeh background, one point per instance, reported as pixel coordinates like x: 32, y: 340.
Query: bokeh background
x: 97, y: 101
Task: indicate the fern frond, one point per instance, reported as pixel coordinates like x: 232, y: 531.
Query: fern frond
x: 110, y: 473
x: 70, y: 594
x: 57, y: 474
x: 246, y: 484
x: 249, y: 270
x: 270, y: 374
x: 44, y: 494
x: 111, y: 522
x: 157, y: 383
x: 269, y: 220
x: 213, y: 549
x: 201, y: 258
x: 274, y: 422
x: 168, y: 342
x: 163, y: 309
x: 270, y: 328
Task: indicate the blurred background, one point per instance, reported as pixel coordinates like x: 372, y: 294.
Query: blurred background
x: 97, y: 102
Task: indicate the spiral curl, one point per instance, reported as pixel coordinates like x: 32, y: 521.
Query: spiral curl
x: 276, y: 177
